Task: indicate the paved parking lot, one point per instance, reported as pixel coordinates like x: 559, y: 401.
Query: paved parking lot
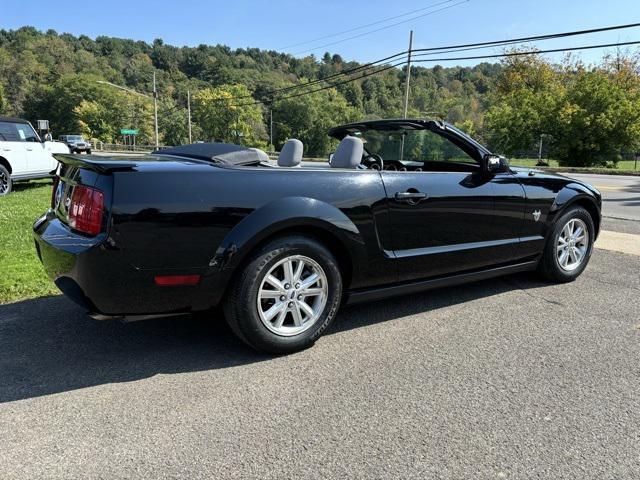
x: 509, y: 378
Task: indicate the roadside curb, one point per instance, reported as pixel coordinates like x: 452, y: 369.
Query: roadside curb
x: 619, y: 242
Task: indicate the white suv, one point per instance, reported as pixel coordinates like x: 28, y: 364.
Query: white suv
x: 23, y: 156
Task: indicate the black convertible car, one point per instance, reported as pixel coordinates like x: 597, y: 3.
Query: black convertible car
x: 402, y: 206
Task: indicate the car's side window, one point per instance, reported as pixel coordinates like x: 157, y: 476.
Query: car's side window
x: 26, y: 133
x: 418, y: 150
x: 427, y: 146
x: 8, y: 132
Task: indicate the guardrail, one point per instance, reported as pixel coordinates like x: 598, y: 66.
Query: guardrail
x: 117, y: 147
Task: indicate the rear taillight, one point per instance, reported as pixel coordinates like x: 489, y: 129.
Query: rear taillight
x: 85, y: 210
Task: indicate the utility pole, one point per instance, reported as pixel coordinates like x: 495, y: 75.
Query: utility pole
x: 408, y: 77
x: 155, y: 107
x: 406, y: 90
x: 540, y: 150
x: 189, y: 113
x: 271, y: 127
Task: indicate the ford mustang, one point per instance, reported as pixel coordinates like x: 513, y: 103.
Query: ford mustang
x: 402, y: 206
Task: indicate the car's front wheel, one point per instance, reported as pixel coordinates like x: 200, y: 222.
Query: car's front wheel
x: 569, y: 246
x: 5, y: 181
x: 285, y: 296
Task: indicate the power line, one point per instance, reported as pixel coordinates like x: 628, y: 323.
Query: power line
x: 502, y: 43
x: 531, y: 52
x: 381, y: 28
x: 536, y: 37
x: 443, y: 49
x: 364, y: 75
x: 322, y: 79
x: 511, y: 54
x: 365, y: 26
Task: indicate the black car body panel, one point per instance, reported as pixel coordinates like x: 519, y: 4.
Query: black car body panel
x: 172, y: 214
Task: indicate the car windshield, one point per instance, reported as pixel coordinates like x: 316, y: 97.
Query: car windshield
x: 75, y: 137
x: 411, y: 145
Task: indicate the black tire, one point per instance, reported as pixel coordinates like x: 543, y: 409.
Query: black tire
x: 89, y: 152
x: 241, y: 301
x: 6, y: 184
x: 549, y: 266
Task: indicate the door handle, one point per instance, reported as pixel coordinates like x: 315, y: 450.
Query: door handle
x: 30, y: 149
x: 411, y: 196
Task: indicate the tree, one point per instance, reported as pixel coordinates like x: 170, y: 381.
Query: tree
x: 104, y: 117
x: 309, y: 117
x: 597, y: 120
x: 227, y: 113
x: 172, y: 123
x: 592, y: 113
x: 523, y: 104
x: 3, y: 102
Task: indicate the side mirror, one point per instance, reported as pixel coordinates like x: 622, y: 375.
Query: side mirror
x: 494, y: 164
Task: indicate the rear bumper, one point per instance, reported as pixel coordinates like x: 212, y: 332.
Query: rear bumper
x: 95, y: 273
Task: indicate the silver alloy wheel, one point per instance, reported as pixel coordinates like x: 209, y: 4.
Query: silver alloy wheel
x: 292, y: 295
x: 4, y: 183
x: 573, y: 244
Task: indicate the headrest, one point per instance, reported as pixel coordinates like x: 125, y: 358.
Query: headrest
x: 291, y: 154
x: 348, y: 154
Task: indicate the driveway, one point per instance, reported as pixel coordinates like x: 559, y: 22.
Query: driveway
x: 508, y: 378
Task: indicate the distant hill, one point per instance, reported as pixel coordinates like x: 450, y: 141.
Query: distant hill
x: 37, y: 68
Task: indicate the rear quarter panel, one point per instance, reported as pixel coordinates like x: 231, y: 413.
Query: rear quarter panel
x: 176, y: 218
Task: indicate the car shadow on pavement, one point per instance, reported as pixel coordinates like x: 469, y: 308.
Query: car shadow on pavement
x: 48, y: 345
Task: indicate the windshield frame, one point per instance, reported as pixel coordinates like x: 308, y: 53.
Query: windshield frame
x: 460, y: 139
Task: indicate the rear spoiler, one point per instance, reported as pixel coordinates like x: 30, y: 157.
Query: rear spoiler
x: 96, y: 164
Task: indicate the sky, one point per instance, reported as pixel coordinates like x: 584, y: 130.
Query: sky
x: 281, y: 24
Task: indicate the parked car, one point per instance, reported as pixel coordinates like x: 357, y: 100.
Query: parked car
x: 23, y: 155
x: 76, y: 143
x: 404, y: 206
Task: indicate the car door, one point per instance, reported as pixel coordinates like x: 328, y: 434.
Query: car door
x: 443, y: 218
x: 38, y: 158
x: 12, y: 148
x: 440, y: 221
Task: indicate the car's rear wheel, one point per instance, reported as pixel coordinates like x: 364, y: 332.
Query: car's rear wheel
x: 6, y: 184
x: 285, y: 296
x: 569, y: 246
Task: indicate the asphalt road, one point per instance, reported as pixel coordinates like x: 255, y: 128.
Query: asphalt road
x: 620, y: 194
x: 509, y: 378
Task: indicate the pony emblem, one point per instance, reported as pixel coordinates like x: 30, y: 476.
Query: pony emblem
x: 536, y: 215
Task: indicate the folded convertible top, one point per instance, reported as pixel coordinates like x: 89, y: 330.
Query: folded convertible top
x: 217, y: 152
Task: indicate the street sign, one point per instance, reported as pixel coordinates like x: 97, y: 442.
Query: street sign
x: 128, y: 131
x: 43, y: 124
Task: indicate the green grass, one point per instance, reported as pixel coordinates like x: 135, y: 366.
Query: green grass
x: 21, y: 274
x: 531, y: 162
